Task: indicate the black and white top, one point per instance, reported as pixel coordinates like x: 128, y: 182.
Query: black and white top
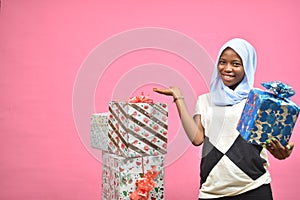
x: 229, y: 165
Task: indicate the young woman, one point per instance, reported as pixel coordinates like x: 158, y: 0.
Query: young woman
x: 230, y: 167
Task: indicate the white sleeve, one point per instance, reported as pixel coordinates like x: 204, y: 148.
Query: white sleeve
x: 200, y: 105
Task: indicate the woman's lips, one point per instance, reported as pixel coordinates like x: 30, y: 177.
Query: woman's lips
x: 227, y: 77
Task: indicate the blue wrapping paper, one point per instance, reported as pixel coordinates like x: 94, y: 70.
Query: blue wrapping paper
x: 269, y: 114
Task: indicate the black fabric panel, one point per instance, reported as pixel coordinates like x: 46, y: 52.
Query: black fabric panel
x: 210, y: 157
x: 247, y: 157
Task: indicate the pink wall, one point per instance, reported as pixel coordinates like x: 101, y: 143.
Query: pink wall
x: 47, y: 49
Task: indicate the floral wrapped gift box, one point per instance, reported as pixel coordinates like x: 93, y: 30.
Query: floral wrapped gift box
x: 120, y: 175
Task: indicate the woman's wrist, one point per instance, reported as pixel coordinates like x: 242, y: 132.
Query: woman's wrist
x: 177, y: 98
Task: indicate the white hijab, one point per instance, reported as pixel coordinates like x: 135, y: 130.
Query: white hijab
x: 222, y: 95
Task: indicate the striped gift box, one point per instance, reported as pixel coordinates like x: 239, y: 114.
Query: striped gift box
x: 137, y: 129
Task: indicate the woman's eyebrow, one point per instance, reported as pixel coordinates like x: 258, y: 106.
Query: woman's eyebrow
x: 240, y: 61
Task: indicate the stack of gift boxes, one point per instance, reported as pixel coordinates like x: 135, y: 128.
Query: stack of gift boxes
x: 133, y: 139
x: 269, y: 114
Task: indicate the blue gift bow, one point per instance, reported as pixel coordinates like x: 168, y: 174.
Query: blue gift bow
x: 280, y: 90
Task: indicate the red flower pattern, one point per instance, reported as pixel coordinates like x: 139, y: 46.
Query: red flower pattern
x: 146, y: 148
x: 146, y: 120
x: 138, y: 163
x: 122, y: 146
x: 164, y: 145
x: 136, y: 129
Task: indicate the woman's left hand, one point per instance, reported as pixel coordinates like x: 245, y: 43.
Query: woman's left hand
x: 277, y: 150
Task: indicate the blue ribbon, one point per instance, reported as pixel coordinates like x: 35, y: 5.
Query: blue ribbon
x: 279, y: 89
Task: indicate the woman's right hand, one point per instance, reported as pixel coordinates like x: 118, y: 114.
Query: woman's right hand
x: 171, y: 91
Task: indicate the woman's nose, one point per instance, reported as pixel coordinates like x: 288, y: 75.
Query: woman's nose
x: 228, y: 67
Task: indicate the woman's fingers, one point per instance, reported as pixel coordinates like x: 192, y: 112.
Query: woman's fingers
x: 277, y: 150
x: 171, y: 91
x: 290, y: 146
x: 165, y: 91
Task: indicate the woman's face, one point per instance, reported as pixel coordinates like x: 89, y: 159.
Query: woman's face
x: 231, y: 68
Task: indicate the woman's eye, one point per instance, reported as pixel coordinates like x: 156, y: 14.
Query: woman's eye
x: 237, y: 64
x: 222, y: 62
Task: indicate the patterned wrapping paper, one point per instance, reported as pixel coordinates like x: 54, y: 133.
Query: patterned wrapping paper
x: 137, y: 129
x: 99, y: 131
x: 268, y: 115
x: 119, y: 175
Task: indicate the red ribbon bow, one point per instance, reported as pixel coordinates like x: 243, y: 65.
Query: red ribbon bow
x: 144, y: 185
x: 141, y: 99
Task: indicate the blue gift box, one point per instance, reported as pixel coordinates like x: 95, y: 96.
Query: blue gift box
x: 268, y: 114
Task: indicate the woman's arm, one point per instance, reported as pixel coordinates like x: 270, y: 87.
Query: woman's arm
x: 192, y: 126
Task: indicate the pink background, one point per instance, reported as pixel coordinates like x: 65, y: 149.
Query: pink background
x: 43, y: 45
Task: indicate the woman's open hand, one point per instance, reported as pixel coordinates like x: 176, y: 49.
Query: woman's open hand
x: 171, y: 91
